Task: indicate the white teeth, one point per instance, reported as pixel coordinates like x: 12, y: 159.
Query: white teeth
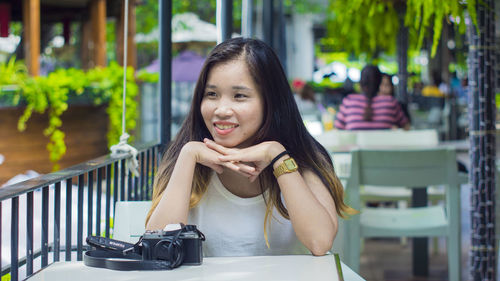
x: 224, y: 127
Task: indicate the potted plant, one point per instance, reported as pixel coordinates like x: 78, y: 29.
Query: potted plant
x: 67, y: 105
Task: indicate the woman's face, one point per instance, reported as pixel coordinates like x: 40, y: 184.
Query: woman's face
x: 232, y: 106
x: 385, y: 87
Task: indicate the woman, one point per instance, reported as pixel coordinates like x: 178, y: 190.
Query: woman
x: 243, y: 167
x: 387, y: 89
x: 369, y: 111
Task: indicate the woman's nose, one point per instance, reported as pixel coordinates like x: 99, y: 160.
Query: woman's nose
x: 223, y: 110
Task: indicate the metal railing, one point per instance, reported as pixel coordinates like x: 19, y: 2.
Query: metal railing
x: 112, y: 183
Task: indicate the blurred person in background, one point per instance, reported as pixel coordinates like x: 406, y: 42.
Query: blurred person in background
x: 368, y: 110
x: 437, y: 89
x: 387, y: 89
x: 305, y: 98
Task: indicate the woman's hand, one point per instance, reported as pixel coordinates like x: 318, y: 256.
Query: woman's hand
x: 259, y: 156
x: 203, y: 155
x: 210, y: 158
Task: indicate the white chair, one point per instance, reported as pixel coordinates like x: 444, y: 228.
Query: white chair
x: 336, y: 138
x: 130, y: 219
x: 395, y: 139
x: 332, y: 141
x: 413, y: 167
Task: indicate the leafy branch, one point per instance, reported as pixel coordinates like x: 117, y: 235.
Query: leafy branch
x: 370, y: 26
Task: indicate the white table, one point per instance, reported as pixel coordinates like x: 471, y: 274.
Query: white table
x: 292, y: 267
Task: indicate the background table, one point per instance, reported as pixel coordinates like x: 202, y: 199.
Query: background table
x: 292, y: 267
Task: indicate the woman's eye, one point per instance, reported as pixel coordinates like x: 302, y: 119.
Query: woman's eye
x: 240, y: 96
x: 210, y: 94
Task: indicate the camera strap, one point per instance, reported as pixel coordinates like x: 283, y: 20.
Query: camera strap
x: 119, y: 255
x: 119, y: 261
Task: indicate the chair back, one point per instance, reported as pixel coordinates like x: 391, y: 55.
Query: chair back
x: 418, y: 167
x: 130, y: 219
x: 332, y: 139
x: 404, y: 167
x: 397, y: 138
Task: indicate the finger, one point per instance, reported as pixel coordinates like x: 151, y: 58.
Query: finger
x: 231, y: 165
x: 243, y: 155
x: 230, y: 157
x: 217, y: 147
x: 217, y: 168
x: 246, y: 168
x: 237, y: 168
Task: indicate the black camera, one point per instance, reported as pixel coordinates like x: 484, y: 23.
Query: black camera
x: 177, y: 246
x: 155, y: 250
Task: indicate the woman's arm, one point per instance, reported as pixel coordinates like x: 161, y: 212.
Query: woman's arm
x: 311, y: 209
x: 310, y: 205
x: 174, y: 202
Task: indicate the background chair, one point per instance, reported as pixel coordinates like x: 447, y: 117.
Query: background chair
x: 129, y: 222
x: 394, y: 139
x: 333, y: 139
x: 404, y: 167
x: 397, y: 137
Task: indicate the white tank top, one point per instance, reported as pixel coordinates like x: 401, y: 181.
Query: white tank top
x: 234, y: 226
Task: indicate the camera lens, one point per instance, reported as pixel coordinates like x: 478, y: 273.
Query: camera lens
x: 169, y: 250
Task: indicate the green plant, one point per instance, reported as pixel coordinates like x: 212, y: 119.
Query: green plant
x: 51, y: 94
x: 145, y: 76
x: 6, y: 277
x: 107, y: 84
x: 367, y: 26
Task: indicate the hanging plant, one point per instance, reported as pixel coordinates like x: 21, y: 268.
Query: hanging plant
x: 107, y: 86
x: 371, y: 26
x: 51, y: 94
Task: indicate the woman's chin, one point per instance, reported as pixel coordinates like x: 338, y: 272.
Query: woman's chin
x: 226, y: 143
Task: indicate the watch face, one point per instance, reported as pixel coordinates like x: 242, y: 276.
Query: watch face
x: 290, y: 164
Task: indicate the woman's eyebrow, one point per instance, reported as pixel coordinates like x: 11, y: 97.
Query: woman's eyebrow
x: 241, y: 88
x: 237, y: 87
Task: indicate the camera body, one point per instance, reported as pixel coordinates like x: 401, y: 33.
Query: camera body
x: 183, y: 246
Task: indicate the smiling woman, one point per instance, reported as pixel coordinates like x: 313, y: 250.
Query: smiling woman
x: 218, y: 173
x: 232, y: 106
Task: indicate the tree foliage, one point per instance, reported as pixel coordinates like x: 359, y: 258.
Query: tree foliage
x: 371, y: 26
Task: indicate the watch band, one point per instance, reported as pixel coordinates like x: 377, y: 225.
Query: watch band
x: 278, y: 157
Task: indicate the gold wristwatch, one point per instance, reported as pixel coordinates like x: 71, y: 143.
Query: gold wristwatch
x: 288, y: 166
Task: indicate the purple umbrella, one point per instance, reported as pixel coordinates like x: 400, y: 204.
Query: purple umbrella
x: 185, y: 67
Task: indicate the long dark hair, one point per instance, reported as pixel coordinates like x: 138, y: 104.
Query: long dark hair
x: 370, y: 83
x: 282, y: 123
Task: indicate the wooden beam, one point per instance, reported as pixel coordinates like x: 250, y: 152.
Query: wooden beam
x: 131, y: 46
x: 86, y: 31
x: 98, y: 19
x: 31, y: 24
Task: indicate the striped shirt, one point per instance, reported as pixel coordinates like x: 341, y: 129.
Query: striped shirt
x: 386, y: 111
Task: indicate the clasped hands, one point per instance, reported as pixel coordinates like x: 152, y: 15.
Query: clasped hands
x: 249, y: 162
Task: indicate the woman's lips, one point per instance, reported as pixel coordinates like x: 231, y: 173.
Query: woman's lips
x: 224, y: 128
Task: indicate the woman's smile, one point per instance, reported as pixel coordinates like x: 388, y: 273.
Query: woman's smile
x: 224, y: 128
